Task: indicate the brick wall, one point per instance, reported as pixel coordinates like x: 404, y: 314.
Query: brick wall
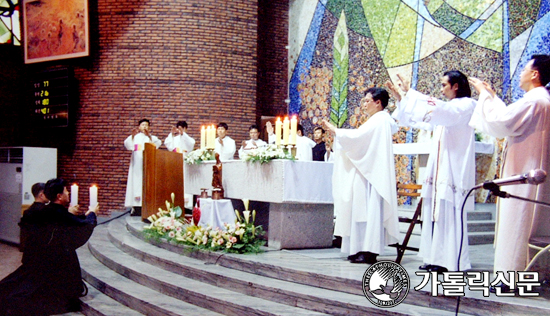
x: 272, y: 57
x: 163, y: 60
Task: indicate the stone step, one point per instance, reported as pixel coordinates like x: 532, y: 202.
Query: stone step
x: 305, y: 296
x: 329, y: 270
x: 99, y: 304
x: 207, y: 291
x: 131, y: 294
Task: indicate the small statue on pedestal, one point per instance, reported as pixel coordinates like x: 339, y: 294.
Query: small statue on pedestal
x: 217, y: 188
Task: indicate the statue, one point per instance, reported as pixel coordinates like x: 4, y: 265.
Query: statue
x: 217, y: 188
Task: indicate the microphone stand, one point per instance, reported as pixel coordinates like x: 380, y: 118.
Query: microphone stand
x: 495, y: 189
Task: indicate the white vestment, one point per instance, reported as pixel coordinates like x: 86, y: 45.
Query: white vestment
x: 134, y: 186
x: 227, y: 151
x: 181, y: 143
x: 250, y: 144
x: 450, y: 174
x: 304, y: 148
x: 363, y: 186
x: 526, y: 126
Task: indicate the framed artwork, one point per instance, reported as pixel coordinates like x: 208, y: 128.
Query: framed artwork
x: 55, y: 29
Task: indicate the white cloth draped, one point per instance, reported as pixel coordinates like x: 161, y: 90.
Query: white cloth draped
x: 180, y: 143
x: 363, y: 186
x: 134, y: 186
x: 450, y: 174
x: 250, y: 144
x: 227, y: 150
x: 526, y: 126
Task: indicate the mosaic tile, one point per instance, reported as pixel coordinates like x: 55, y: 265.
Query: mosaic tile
x: 420, y: 8
x: 452, y: 20
x: 539, y: 43
x: 401, y: 44
x: 517, y: 46
x: 380, y: 17
x: 489, y: 34
x: 433, y: 38
x: 471, y: 9
x: 300, y: 18
x: 544, y: 8
x: 354, y: 13
x: 304, y: 60
x: 433, y: 5
x: 523, y: 14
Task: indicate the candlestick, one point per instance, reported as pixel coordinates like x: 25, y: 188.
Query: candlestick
x: 278, y: 127
x: 203, y: 137
x: 74, y: 195
x: 286, y: 131
x: 293, y: 130
x: 93, y: 196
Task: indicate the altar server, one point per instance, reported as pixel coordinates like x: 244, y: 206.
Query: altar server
x: 450, y: 172
x: 363, y: 181
x: 253, y: 143
x: 136, y: 143
x: 304, y: 145
x: 224, y: 145
x: 526, y: 126
x: 178, y: 140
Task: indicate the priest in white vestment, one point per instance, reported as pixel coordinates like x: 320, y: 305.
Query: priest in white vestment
x: 450, y: 171
x: 304, y: 145
x: 253, y: 143
x: 526, y: 126
x: 224, y: 145
x: 363, y: 182
x: 136, y: 143
x: 178, y: 140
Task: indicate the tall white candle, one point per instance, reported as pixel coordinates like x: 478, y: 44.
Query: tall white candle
x: 278, y: 127
x: 93, y: 196
x: 74, y: 194
x: 286, y: 131
x: 203, y: 137
x: 293, y: 130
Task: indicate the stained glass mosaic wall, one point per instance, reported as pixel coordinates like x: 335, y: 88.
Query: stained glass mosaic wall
x: 340, y: 48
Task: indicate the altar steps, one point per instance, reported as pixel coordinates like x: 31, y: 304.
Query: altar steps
x: 481, y: 225
x: 165, y: 279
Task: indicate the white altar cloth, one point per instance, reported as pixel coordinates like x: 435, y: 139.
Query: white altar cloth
x: 216, y: 213
x: 279, y: 181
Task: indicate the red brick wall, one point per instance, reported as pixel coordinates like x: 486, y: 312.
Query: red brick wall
x: 272, y: 57
x: 166, y: 61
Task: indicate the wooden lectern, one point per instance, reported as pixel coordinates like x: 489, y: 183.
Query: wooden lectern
x: 162, y: 175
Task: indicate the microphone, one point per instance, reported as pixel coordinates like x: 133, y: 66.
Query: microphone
x: 535, y: 176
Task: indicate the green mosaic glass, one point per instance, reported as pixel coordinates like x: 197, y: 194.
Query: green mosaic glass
x: 489, y: 34
x: 452, y: 20
x: 380, y: 16
x: 473, y: 9
x: 400, y: 49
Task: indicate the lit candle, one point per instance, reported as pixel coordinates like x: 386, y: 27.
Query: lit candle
x: 74, y: 195
x: 203, y: 137
x: 286, y: 130
x: 293, y: 130
x: 278, y: 127
x: 93, y: 196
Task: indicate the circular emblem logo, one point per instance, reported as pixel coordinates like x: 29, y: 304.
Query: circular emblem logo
x: 386, y: 284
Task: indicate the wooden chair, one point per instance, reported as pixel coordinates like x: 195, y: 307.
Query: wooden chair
x: 412, y: 191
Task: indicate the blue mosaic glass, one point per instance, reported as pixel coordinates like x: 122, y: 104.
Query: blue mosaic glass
x: 303, y: 63
x: 539, y: 43
x: 544, y: 8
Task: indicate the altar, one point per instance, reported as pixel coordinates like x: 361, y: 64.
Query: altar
x: 299, y: 192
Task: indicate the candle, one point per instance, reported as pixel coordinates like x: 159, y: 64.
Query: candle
x: 93, y: 196
x: 286, y: 130
x: 203, y: 137
x: 293, y: 130
x: 74, y: 195
x: 212, y: 136
x: 278, y: 127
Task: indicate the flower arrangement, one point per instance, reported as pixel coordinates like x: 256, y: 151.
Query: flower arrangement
x: 241, y: 237
x: 199, y: 155
x: 267, y: 153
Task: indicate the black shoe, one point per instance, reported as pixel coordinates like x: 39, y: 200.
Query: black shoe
x: 503, y: 288
x: 353, y: 257
x: 438, y: 269
x: 425, y: 266
x: 365, y: 257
